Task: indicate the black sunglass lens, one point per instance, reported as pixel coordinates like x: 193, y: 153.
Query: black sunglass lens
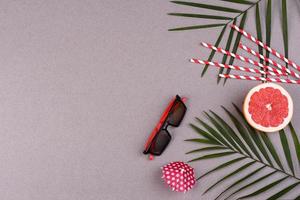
x: 177, y: 113
x: 160, y: 142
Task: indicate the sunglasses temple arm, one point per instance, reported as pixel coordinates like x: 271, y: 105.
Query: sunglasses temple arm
x: 158, y: 125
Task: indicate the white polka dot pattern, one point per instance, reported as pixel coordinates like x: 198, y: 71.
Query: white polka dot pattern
x: 179, y: 176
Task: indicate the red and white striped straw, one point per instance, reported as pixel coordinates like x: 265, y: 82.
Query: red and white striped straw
x: 284, y: 69
x: 256, y: 78
x: 235, y: 67
x: 272, y: 51
x: 247, y: 60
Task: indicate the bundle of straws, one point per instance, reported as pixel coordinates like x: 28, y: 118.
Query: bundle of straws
x: 276, y: 71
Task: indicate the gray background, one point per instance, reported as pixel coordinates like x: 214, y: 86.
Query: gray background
x: 82, y: 84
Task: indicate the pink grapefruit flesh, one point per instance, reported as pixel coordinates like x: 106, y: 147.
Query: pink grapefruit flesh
x: 268, y: 107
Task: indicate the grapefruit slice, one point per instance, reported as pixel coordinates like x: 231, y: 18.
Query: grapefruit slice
x: 268, y: 107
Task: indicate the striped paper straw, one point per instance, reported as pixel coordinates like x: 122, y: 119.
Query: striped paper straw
x: 268, y: 60
x: 235, y: 67
x: 247, y: 60
x: 257, y: 78
x: 272, y: 51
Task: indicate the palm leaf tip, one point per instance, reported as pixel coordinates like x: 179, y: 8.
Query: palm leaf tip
x: 231, y: 174
x: 236, y: 44
x: 283, y: 191
x: 200, y: 16
x: 265, y: 188
x: 285, y: 28
x: 212, y: 54
x: 196, y: 27
x: 286, y: 149
x: 241, y: 180
x: 214, y: 155
x: 240, y: 2
x: 207, y: 6
x: 296, y: 141
x: 227, y: 48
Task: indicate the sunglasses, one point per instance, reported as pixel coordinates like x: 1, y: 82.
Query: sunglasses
x: 160, y: 136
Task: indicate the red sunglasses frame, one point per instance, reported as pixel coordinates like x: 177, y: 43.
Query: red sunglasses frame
x: 160, y: 123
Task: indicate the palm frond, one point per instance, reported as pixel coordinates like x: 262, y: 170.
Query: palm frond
x: 252, y: 147
x: 245, y: 135
x: 203, y: 141
x: 232, y: 134
x: 254, y: 135
x: 206, y: 149
x: 268, y: 26
x: 223, y: 166
x: 239, y: 1
x: 286, y: 149
x: 236, y: 43
x: 207, y: 6
x: 241, y: 180
x: 271, y: 149
x: 296, y: 141
x: 265, y: 188
x: 221, y: 13
x: 204, y: 134
x: 250, y: 184
x: 212, y: 53
x: 259, y: 33
x: 227, y: 48
x: 196, y: 27
x: 283, y: 192
x: 285, y: 28
x: 223, y: 9
x: 214, y: 155
x: 200, y: 16
x: 216, y: 133
x: 230, y: 175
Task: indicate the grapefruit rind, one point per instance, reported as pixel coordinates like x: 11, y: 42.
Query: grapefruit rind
x: 257, y: 126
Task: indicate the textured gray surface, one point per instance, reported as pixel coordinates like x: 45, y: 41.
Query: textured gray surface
x: 83, y: 83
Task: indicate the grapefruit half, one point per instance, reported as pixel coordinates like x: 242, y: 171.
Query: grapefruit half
x: 268, y: 107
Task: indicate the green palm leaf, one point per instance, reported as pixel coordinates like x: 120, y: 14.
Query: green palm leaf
x: 231, y: 133
x: 220, y: 13
x: 239, y: 1
x: 241, y: 180
x: 227, y: 48
x: 254, y: 135
x: 252, y: 183
x: 200, y: 140
x: 243, y: 132
x: 200, y: 16
x: 286, y: 149
x: 207, y: 6
x: 271, y: 149
x: 285, y: 28
x: 296, y: 141
x: 204, y: 134
x: 196, y: 27
x: 215, y: 133
x: 268, y: 26
x: 231, y: 174
x: 257, y: 146
x: 206, y: 149
x: 212, y: 54
x: 283, y: 192
x: 214, y: 155
x: 258, y: 31
x: 223, y: 166
x: 267, y: 187
x: 236, y: 43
